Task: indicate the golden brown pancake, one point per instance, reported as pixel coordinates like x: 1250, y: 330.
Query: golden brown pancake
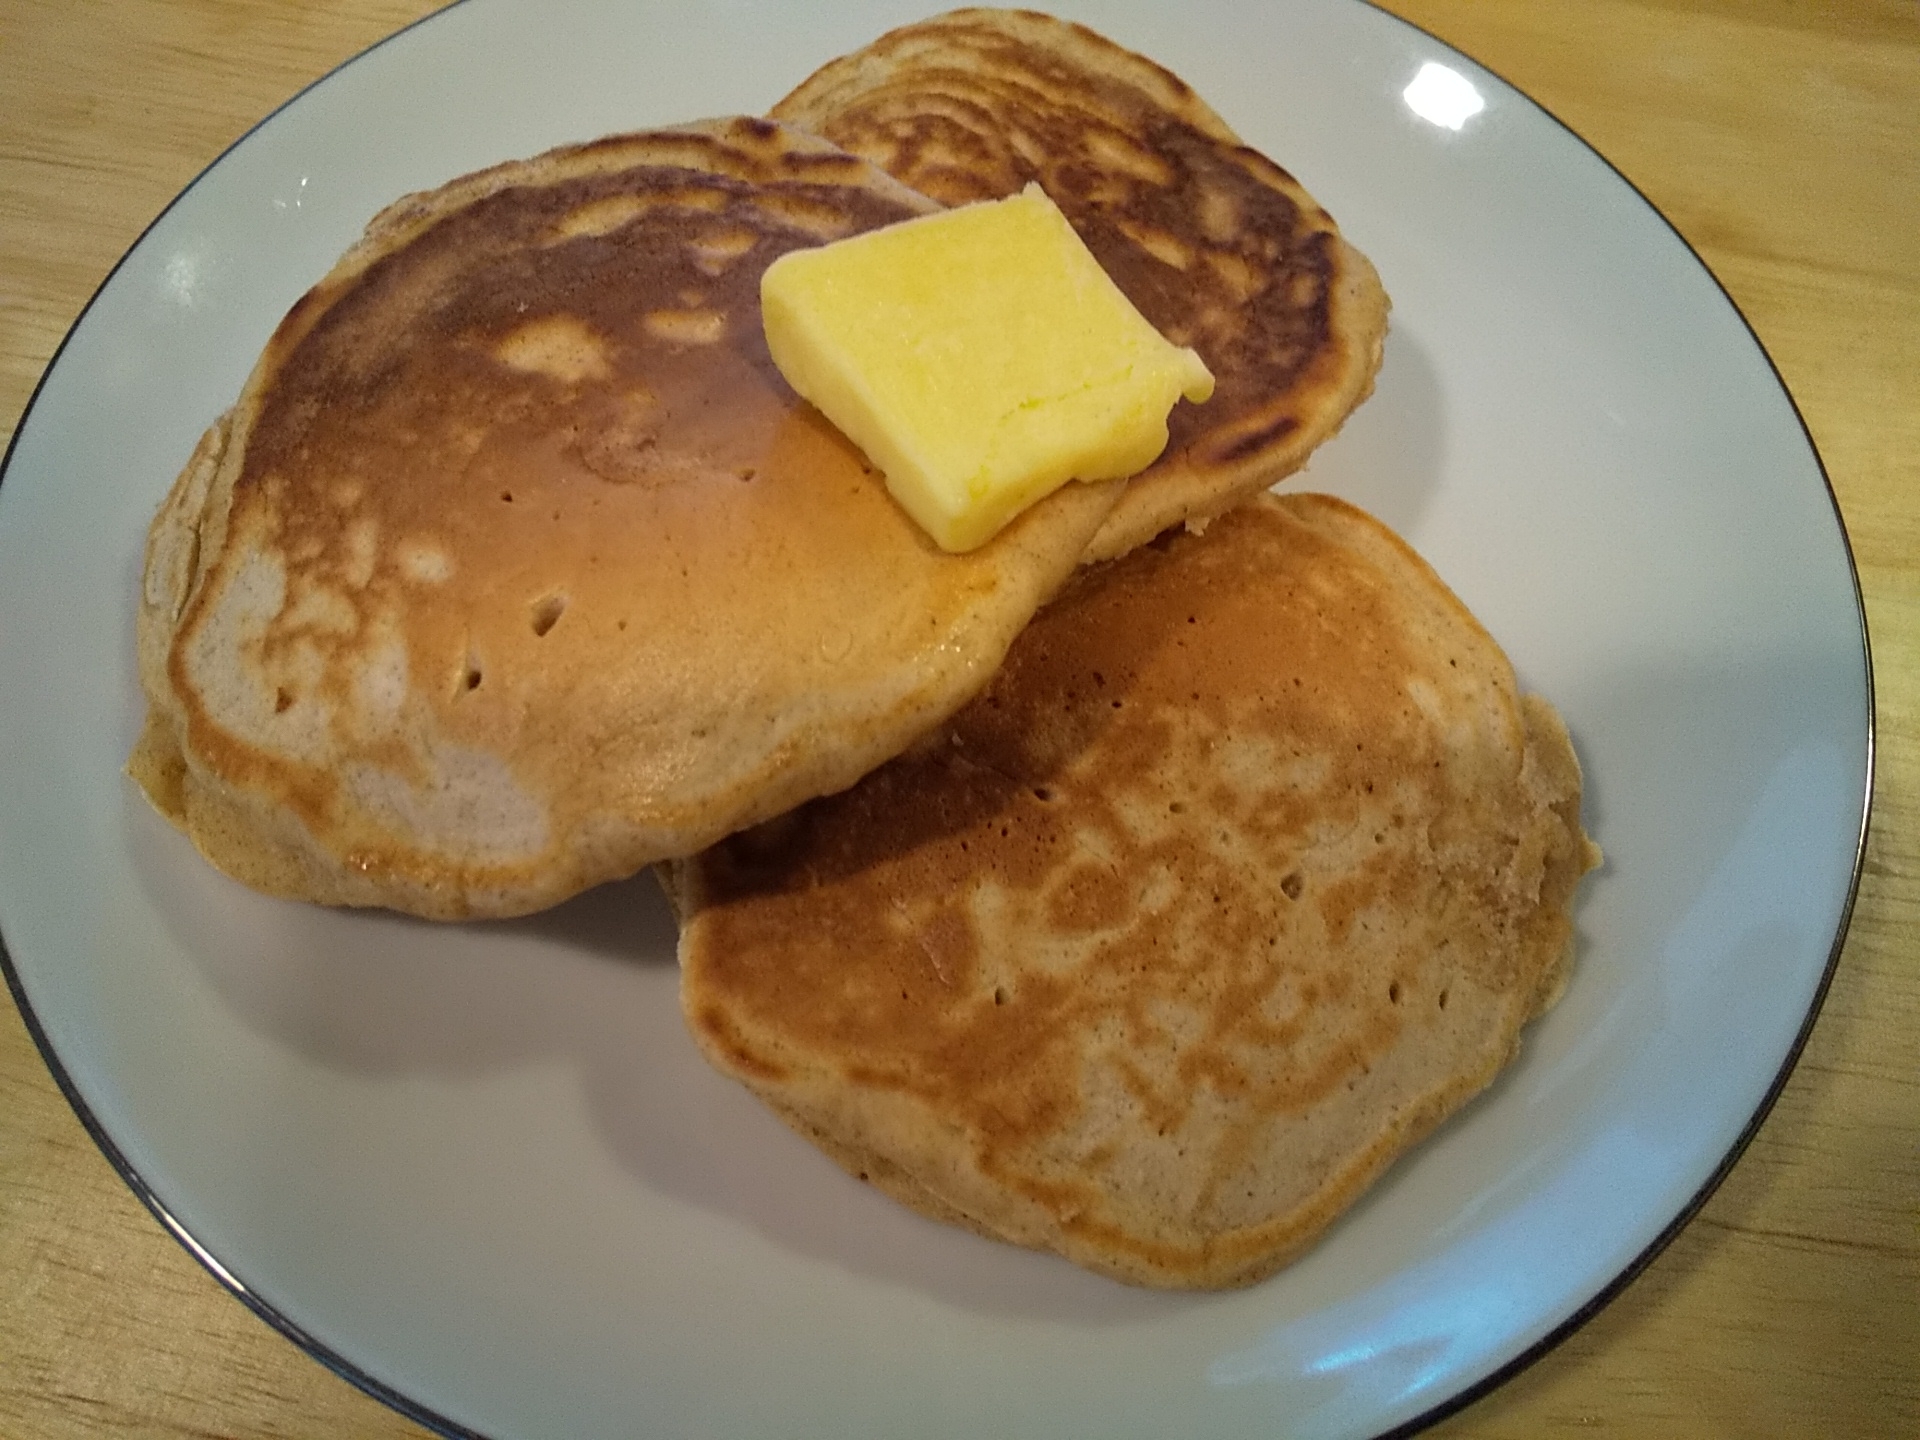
x: 517, y: 566
x: 1217, y: 246
x: 1245, y: 870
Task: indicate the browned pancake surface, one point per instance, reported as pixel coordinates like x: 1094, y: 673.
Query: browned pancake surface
x: 518, y: 566
x: 1218, y: 247
x: 1245, y: 870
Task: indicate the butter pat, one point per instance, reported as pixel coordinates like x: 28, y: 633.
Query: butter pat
x: 980, y: 357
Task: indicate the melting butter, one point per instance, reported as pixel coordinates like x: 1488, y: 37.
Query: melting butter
x: 980, y: 357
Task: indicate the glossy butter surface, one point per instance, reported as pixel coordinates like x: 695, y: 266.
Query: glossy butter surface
x: 980, y: 357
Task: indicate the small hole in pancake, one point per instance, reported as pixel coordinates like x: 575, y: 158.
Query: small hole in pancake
x: 1178, y: 807
x: 999, y: 994
x: 1393, y: 993
x: 507, y: 496
x: 547, y: 611
x: 746, y: 472
x: 1293, y: 884
x: 1443, y: 999
x: 282, y: 702
x: 472, y: 677
x: 1042, y: 794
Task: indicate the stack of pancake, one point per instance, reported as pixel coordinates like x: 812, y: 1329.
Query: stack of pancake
x: 1135, y: 886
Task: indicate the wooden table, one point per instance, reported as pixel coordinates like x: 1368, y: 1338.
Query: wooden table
x: 1782, y: 138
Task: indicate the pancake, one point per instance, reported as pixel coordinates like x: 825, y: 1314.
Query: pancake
x: 517, y: 566
x: 1244, y: 872
x: 1219, y: 247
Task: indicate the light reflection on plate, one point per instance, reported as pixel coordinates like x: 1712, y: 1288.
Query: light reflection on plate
x: 483, y: 1170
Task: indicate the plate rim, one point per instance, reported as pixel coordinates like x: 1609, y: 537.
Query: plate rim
x: 122, y: 1166
x: 1452, y: 1404
x: 1611, y: 1291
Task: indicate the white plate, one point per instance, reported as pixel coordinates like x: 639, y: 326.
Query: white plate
x: 482, y: 1169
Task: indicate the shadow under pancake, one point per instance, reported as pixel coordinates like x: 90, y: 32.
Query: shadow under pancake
x: 593, y: 984
x: 687, y: 1131
x: 999, y: 756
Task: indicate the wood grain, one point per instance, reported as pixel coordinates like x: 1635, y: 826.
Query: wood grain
x: 1781, y: 138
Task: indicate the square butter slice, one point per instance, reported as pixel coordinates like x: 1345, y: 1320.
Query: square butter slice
x: 980, y: 357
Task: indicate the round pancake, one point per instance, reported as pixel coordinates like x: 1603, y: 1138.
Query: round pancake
x: 1217, y: 246
x: 517, y: 566
x: 1244, y: 872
